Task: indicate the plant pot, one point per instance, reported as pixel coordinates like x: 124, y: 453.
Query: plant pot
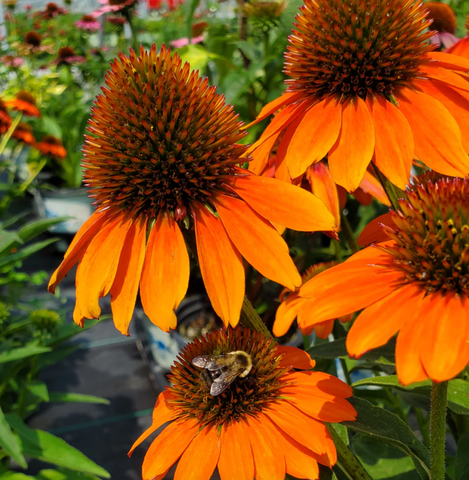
x: 66, y: 202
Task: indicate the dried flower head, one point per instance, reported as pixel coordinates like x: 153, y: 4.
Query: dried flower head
x: 33, y: 39
x: 162, y: 161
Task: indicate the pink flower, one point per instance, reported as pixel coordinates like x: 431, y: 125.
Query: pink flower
x: 11, y: 61
x: 182, y: 42
x: 111, y: 6
x: 88, y: 22
x: 444, y: 39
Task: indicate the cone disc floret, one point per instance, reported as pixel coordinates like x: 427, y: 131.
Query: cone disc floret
x: 160, y: 136
x: 432, y: 234
x: 245, y: 396
x: 357, y: 47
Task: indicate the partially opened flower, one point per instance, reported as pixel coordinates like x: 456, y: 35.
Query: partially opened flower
x: 24, y: 133
x: 461, y: 48
x: 24, y: 102
x: 293, y: 306
x: 365, y: 87
x: 88, y: 22
x: 444, y: 23
x: 162, y: 163
x: 266, y: 423
x: 51, y: 146
x: 415, y: 283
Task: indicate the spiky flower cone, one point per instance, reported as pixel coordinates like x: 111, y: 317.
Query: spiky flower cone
x: 162, y: 162
x: 364, y: 85
x: 266, y: 423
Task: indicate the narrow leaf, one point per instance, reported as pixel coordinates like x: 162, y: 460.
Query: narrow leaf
x: 77, y: 397
x: 10, y: 442
x: 22, y: 352
x: 462, y: 458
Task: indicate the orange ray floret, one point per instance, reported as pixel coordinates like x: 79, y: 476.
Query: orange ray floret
x: 414, y: 283
x: 162, y: 161
x: 24, y: 102
x: 51, y: 146
x: 357, y: 75
x: 246, y: 432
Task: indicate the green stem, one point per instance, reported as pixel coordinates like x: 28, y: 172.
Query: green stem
x: 348, y: 234
x: 394, y: 193
x: 346, y: 460
x: 438, y: 430
x: 343, y: 363
x: 250, y: 319
x: 423, y: 426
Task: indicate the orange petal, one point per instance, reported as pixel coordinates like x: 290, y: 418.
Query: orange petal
x: 125, y: 287
x: 281, y: 170
x: 437, y: 136
x: 246, y: 228
x: 161, y: 415
x: 353, y: 151
x: 373, y: 232
x: 221, y: 266
x: 446, y: 76
x: 269, y: 463
x: 295, y: 358
x: 277, y: 104
x: 324, y: 329
x: 298, y: 209
x: 308, y: 431
x: 199, y: 460
x: 77, y: 248
x: 445, y: 350
x: 300, y: 462
x: 168, y: 446
x: 324, y: 187
x: 315, y: 136
x: 380, y: 321
x: 460, y: 48
x: 260, y: 156
x: 326, y: 383
x: 285, y: 315
x: 394, y: 141
x: 446, y: 60
x: 165, y: 274
x: 236, y: 461
x: 99, y: 264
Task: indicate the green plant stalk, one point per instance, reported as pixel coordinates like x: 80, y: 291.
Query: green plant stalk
x: 10, y: 131
x: 438, y: 430
x: 348, y: 234
x: 346, y: 460
x: 394, y: 193
x: 423, y: 426
x: 250, y: 319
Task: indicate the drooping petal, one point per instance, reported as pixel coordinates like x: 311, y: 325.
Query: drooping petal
x: 446, y: 60
x: 298, y: 209
x: 161, y: 415
x: 165, y: 274
x: 268, y: 461
x: 200, y: 458
x: 281, y: 169
x: 380, y: 321
x: 373, y: 232
x: 314, y: 136
x: 445, y: 76
x: 324, y: 329
x: 285, y: 315
x: 98, y: 266
x: 295, y: 358
x: 221, y: 266
x: 77, y: 248
x: 437, y: 136
x: 125, y: 287
x: 352, y: 152
x: 168, y: 446
x: 257, y: 241
x: 236, y: 461
x: 444, y: 348
x: 324, y: 187
x: 322, y: 381
x: 260, y: 156
x: 394, y: 142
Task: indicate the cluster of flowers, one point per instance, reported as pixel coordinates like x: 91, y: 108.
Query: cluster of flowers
x: 367, y: 98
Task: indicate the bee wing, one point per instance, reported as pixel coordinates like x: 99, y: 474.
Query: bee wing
x: 221, y: 383
x: 206, y: 361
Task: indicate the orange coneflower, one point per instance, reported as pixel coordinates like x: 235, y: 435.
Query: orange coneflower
x: 293, y: 306
x: 5, y: 119
x: 415, y: 283
x: 444, y: 24
x: 461, y: 48
x: 162, y: 162
x: 364, y: 86
x: 24, y: 102
x: 264, y: 425
x: 52, y: 146
x: 24, y: 133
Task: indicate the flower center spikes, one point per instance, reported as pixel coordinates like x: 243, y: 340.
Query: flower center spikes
x: 160, y: 136
x: 432, y: 236
x: 245, y: 395
x: 356, y: 47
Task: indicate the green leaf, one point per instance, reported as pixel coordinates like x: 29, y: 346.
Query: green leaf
x: 26, y: 252
x: 462, y: 458
x: 39, y: 389
x: 77, y: 397
x: 335, y: 349
x: 15, y: 476
x: 49, y: 448
x: 7, y: 240
x: 33, y: 229
x: 64, y: 474
x: 22, y: 352
x: 382, y: 461
x: 69, y: 330
x: 10, y: 442
x: 389, y: 428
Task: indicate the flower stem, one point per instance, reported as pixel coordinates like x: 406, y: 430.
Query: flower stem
x: 438, y: 430
x: 394, y: 193
x: 250, y: 319
x: 348, y: 234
